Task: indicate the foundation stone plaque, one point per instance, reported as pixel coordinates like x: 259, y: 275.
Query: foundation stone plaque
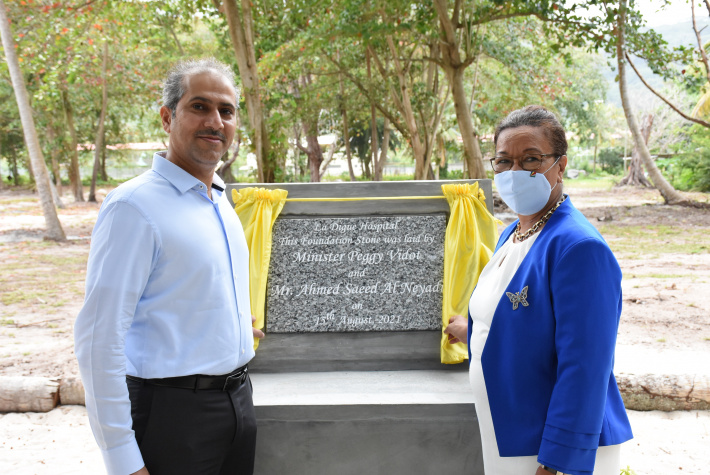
x: 355, y: 280
x: 356, y: 274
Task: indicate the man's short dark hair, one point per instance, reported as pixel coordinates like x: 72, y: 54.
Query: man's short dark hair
x: 536, y: 116
x: 174, y: 87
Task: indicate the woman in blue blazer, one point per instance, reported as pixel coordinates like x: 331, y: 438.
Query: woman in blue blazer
x: 543, y: 320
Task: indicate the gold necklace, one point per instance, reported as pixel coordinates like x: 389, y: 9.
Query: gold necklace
x: 536, y: 227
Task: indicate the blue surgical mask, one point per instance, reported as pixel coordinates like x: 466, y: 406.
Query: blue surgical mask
x: 526, y: 193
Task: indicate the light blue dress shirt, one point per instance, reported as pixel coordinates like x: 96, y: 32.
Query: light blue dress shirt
x: 167, y: 294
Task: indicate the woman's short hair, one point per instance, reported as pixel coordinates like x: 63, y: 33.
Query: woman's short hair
x: 536, y: 116
x: 174, y: 87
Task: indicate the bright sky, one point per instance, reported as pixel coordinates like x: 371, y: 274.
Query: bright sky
x: 676, y: 12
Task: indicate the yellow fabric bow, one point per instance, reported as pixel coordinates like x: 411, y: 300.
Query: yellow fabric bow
x: 258, y: 209
x: 471, y: 237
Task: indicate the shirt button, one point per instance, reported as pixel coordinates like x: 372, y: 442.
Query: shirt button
x: 242, y: 350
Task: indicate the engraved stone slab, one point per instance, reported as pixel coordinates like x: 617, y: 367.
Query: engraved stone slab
x: 356, y: 274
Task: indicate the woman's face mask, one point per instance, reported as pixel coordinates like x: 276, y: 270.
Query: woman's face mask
x: 526, y: 193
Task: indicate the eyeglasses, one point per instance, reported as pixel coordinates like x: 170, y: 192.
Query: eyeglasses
x: 529, y: 162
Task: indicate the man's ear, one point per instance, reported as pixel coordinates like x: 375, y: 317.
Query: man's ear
x: 167, y: 116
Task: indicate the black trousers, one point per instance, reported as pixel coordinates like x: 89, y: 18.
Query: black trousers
x: 194, y: 432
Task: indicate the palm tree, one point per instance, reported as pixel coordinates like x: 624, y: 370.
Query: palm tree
x: 670, y: 194
x: 54, y: 227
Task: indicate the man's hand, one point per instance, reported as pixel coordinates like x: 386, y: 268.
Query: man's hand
x: 255, y: 331
x: 142, y: 471
x: 457, y: 329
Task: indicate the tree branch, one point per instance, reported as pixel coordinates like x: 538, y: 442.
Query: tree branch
x: 703, y: 54
x: 366, y: 92
x: 685, y: 116
x: 530, y: 13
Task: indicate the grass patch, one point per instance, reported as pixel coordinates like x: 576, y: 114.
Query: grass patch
x: 666, y: 276
x: 7, y: 321
x: 41, y: 273
x: 593, y: 182
x: 654, y: 240
x: 8, y: 201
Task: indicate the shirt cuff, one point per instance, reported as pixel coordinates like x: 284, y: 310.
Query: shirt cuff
x: 123, y: 460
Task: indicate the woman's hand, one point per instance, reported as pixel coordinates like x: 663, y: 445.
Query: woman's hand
x: 457, y: 329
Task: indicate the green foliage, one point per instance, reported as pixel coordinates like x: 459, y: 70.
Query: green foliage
x: 689, y: 169
x: 611, y: 159
x: 515, y: 53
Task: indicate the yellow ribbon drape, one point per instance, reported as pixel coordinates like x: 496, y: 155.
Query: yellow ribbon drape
x: 471, y: 237
x: 258, y: 209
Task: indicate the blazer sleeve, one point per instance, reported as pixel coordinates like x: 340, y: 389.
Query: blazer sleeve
x: 585, y: 286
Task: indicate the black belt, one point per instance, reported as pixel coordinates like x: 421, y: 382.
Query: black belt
x: 199, y: 381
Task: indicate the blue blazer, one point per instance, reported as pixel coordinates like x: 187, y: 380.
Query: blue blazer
x: 548, y: 361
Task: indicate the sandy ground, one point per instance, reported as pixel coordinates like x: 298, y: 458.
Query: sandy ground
x: 60, y: 443
x: 664, y: 252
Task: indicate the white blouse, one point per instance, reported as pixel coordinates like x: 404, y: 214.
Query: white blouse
x: 490, y: 289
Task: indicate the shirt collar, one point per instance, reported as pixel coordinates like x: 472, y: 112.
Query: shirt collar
x: 178, y: 177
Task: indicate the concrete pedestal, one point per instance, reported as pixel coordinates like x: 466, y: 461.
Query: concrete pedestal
x: 379, y: 422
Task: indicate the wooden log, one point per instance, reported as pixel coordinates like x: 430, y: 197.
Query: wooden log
x: 654, y: 392
x: 71, y: 392
x: 28, y: 394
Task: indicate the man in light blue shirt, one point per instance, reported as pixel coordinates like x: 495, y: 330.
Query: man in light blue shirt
x: 165, y: 333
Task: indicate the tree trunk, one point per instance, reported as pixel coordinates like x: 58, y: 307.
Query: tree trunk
x: 405, y: 106
x: 241, y: 32
x: 328, y: 159
x: 635, y: 175
x: 55, y: 196
x: 27, y: 393
x: 652, y: 392
x: 315, y: 154
x: 28, y: 165
x: 455, y: 68
x: 346, y: 129
x: 13, y: 168
x: 441, y: 147
x: 374, y: 138
x: 54, y: 227
x: 670, y: 195
x: 100, y: 133
x: 346, y: 137
x: 74, y: 171
x: 102, y: 170
x: 53, y: 150
x: 71, y: 392
x: 225, y: 171
x: 471, y: 146
x: 382, y: 161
